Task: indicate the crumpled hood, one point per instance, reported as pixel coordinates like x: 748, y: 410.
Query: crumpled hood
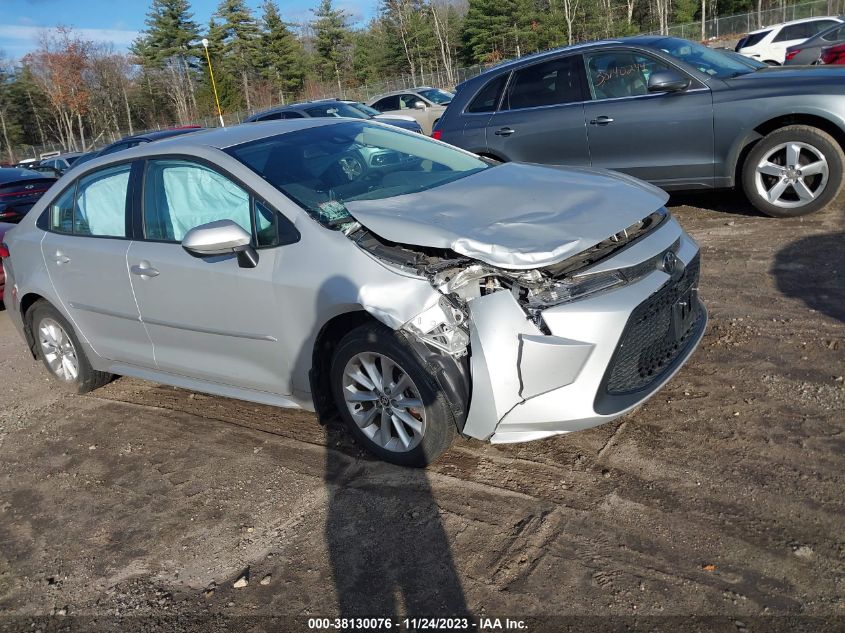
x: 515, y: 215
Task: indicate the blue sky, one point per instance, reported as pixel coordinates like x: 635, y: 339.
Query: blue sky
x: 118, y: 21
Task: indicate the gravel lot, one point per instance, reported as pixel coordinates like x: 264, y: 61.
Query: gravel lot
x: 721, y: 496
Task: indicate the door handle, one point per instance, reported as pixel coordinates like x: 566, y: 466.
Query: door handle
x: 505, y: 131
x: 601, y: 120
x: 61, y: 258
x: 144, y: 270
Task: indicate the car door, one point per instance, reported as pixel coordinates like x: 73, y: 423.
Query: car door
x: 541, y: 116
x: 85, y: 248
x: 208, y: 318
x: 663, y: 137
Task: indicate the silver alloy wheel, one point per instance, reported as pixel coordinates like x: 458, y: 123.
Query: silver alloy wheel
x: 58, y: 350
x: 791, y: 175
x: 384, y: 401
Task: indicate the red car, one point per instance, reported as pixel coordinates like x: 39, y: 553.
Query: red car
x: 833, y: 55
x: 4, y: 226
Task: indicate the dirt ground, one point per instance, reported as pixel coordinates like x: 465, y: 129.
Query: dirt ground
x: 143, y: 505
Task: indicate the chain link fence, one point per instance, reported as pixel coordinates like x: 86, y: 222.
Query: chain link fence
x: 722, y: 29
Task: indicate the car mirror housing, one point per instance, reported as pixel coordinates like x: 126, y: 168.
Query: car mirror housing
x: 667, y: 81
x: 222, y: 237
x: 419, y: 105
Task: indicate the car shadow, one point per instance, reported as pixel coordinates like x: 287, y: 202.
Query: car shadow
x: 729, y: 201
x: 388, y: 549
x: 812, y: 269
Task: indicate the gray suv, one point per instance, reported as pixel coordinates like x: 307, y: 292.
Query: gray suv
x: 665, y: 110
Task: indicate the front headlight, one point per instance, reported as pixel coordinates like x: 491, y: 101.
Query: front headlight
x: 569, y: 290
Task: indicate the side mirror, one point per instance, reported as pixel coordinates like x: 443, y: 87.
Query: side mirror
x: 667, y: 81
x: 222, y: 237
x: 419, y: 105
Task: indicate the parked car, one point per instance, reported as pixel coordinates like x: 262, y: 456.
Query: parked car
x: 327, y: 108
x: 809, y: 51
x: 666, y: 110
x: 425, y: 104
x: 833, y: 55
x: 19, y: 190
x: 4, y: 226
x: 128, y: 142
x: 338, y: 265
x: 363, y: 107
x: 59, y: 164
x: 770, y: 44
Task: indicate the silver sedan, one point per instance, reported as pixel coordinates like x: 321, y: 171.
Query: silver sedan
x: 352, y: 268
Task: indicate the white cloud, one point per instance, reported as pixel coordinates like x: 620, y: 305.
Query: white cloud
x: 16, y: 32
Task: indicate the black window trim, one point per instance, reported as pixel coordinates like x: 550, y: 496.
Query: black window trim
x: 496, y: 105
x: 582, y: 80
x: 44, y: 223
x: 286, y: 231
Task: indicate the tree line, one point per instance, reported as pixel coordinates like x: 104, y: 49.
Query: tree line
x: 77, y: 93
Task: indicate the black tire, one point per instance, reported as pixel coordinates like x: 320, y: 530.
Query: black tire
x: 439, y: 428
x: 817, y: 139
x: 87, y: 379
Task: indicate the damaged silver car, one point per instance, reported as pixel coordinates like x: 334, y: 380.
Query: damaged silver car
x: 356, y: 269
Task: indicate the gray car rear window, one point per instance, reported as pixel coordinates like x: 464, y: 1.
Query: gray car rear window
x: 488, y: 98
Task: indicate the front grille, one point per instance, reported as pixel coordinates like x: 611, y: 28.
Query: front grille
x: 650, y: 341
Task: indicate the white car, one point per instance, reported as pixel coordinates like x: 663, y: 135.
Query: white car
x: 769, y: 44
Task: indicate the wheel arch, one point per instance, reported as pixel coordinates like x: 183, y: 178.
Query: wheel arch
x: 452, y: 374
x: 26, y: 302
x: 820, y: 122
x: 325, y: 343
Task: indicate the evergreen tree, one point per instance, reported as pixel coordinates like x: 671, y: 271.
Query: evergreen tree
x: 241, y: 40
x: 280, y: 58
x: 169, y: 46
x: 331, y: 35
x: 497, y: 29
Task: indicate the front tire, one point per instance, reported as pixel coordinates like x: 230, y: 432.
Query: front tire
x: 793, y: 171
x: 389, y: 399
x: 59, y: 349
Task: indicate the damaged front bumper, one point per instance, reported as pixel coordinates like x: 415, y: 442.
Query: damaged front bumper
x: 595, y: 359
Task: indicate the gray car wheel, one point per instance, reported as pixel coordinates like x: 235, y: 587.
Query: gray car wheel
x: 389, y: 399
x: 793, y: 171
x: 59, y: 349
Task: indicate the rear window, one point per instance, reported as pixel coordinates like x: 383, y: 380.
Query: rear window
x: 754, y: 39
x: 835, y: 35
x: 488, y: 98
x: 550, y: 83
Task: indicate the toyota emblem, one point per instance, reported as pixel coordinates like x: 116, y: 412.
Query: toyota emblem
x: 669, y: 262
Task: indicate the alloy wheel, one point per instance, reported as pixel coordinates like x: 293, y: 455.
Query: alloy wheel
x: 791, y: 175
x: 384, y: 402
x: 58, y: 350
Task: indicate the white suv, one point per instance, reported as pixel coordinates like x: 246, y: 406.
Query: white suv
x: 769, y: 44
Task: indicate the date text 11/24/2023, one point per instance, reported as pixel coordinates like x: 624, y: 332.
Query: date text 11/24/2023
x: 417, y: 624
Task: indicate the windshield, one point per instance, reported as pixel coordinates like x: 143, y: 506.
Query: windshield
x: 335, y: 110
x: 436, y: 96
x: 322, y: 168
x: 364, y: 108
x: 707, y: 60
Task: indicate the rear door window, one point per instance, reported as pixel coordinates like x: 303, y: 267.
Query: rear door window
x: 95, y: 205
x: 551, y: 83
x: 387, y: 104
x: 100, y: 208
x: 488, y: 97
x: 754, y: 39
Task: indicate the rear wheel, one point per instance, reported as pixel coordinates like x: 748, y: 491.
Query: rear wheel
x: 389, y: 399
x: 59, y: 349
x: 793, y: 171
